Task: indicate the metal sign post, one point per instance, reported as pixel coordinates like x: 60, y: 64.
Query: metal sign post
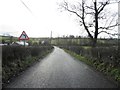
x: 24, y: 43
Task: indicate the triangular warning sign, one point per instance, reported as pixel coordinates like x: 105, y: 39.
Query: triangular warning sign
x: 23, y: 36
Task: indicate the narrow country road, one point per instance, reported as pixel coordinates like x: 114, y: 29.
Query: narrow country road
x: 60, y: 70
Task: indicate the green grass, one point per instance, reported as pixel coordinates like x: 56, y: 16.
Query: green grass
x: 79, y: 57
x: 86, y: 47
x: 107, y: 69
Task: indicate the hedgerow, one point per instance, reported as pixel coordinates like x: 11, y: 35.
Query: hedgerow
x: 104, y: 59
x: 17, y: 58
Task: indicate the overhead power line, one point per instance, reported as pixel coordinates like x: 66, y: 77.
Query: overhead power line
x: 26, y: 6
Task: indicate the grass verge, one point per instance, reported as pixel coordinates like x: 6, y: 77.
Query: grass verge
x: 105, y: 68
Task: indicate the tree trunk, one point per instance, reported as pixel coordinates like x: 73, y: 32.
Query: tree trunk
x: 94, y: 42
x: 96, y: 25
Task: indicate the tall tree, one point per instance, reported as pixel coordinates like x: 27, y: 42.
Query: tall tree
x: 90, y: 14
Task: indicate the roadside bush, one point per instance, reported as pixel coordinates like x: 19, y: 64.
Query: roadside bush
x: 102, y: 54
x: 105, y: 67
x: 17, y: 58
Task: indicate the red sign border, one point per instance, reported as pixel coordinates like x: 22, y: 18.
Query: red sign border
x: 25, y: 38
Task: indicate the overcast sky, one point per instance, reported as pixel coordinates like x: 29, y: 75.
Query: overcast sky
x: 42, y: 18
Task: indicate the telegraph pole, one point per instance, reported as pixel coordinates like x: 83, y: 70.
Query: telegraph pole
x: 51, y: 37
x: 58, y: 40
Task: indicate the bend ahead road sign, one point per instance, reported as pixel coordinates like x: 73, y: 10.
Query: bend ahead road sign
x: 23, y: 36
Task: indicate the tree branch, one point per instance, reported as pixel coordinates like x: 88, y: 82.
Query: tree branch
x: 102, y: 6
x: 86, y: 28
x: 65, y: 6
x: 108, y: 27
x: 90, y: 7
x: 74, y: 12
x: 107, y: 33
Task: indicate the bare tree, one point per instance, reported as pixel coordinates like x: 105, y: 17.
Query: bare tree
x: 91, y: 13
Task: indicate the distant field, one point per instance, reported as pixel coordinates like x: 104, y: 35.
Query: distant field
x: 62, y: 41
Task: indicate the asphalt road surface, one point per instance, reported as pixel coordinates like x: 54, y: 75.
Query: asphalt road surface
x: 60, y: 70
